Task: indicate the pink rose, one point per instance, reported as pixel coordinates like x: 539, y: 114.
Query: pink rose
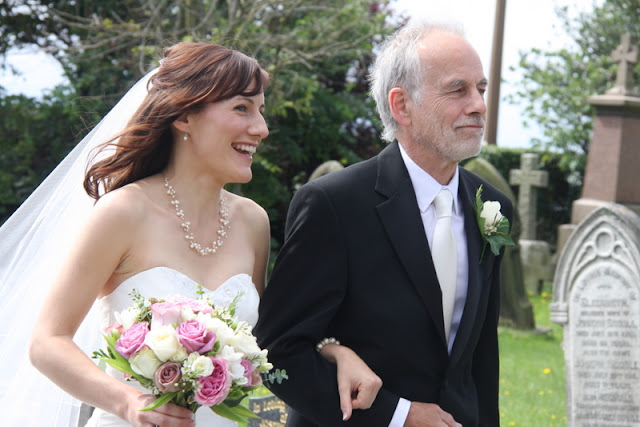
x: 196, y: 305
x: 253, y: 376
x: 116, y: 327
x: 193, y: 335
x: 132, y: 340
x: 167, y: 377
x: 214, y: 389
x: 165, y: 313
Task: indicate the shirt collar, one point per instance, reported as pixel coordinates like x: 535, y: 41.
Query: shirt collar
x: 425, y: 186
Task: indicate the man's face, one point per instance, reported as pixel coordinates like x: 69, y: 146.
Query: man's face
x: 451, y: 115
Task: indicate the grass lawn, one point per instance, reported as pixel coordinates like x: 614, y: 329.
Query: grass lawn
x: 532, y: 381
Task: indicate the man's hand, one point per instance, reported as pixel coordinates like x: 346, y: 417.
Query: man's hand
x: 429, y: 415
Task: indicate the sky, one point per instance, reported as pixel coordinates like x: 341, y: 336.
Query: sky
x: 528, y: 24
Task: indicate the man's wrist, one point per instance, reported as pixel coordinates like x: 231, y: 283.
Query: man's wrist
x: 401, y: 413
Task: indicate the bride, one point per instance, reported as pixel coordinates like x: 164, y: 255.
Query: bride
x: 162, y: 223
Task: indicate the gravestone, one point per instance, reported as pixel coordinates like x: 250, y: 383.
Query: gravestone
x: 612, y: 173
x: 535, y: 254
x: 271, y: 410
x: 515, y: 307
x: 326, y: 168
x: 597, y: 301
x: 626, y: 55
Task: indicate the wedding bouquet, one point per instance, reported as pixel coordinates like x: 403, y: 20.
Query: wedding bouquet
x: 189, y: 352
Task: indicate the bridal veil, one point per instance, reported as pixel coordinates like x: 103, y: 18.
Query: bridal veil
x: 33, y: 243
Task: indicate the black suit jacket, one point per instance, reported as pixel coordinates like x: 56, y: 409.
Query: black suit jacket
x: 356, y: 265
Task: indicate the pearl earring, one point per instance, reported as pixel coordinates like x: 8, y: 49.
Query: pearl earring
x: 186, y: 135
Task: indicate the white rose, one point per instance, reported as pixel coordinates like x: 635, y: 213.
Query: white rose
x: 163, y: 341
x: 127, y: 317
x: 492, y: 216
x: 223, y: 332
x: 186, y: 313
x: 180, y: 355
x: 234, y: 362
x: 198, y: 365
x: 145, y: 363
x: 245, y: 343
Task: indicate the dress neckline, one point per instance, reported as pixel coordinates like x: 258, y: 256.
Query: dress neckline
x: 181, y: 274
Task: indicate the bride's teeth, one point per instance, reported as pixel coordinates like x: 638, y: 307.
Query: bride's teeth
x: 247, y: 148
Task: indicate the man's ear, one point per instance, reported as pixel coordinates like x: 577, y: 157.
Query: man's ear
x: 399, y: 103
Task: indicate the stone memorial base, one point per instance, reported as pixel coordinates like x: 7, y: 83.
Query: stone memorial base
x: 537, y: 264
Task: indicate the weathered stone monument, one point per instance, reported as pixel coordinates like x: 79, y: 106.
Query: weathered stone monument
x: 613, y: 170
x: 326, y: 168
x: 535, y: 254
x: 515, y: 307
x: 271, y: 410
x: 596, y: 294
x: 597, y: 300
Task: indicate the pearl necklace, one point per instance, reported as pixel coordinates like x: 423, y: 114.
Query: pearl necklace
x: 186, y: 225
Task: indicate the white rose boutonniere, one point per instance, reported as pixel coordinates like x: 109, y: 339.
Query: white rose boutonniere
x: 494, y: 227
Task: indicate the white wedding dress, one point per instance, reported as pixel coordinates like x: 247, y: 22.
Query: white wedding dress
x: 160, y: 282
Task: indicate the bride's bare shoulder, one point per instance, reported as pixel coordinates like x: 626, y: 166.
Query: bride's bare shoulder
x: 129, y: 204
x: 246, y: 208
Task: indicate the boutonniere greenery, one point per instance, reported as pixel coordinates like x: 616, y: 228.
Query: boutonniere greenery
x: 494, y: 227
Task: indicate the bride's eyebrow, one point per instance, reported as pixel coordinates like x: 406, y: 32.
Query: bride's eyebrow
x: 249, y: 100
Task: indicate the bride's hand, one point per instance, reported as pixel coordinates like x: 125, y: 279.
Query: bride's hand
x: 358, y: 385
x: 168, y: 415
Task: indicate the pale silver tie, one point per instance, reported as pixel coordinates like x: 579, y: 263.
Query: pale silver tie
x: 443, y: 252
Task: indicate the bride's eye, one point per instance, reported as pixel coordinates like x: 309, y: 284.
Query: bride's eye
x: 242, y: 108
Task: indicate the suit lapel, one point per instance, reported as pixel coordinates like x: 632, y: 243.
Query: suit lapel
x: 467, y: 193
x: 401, y: 219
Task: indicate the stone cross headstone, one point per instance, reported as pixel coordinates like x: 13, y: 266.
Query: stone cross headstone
x: 535, y: 254
x: 528, y: 177
x: 626, y: 55
x: 596, y: 298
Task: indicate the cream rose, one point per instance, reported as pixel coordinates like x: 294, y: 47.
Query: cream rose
x: 223, y: 332
x: 198, y: 366
x: 163, y: 341
x: 245, y: 343
x: 127, y: 317
x: 145, y: 363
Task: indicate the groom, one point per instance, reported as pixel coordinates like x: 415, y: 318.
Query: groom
x: 359, y: 260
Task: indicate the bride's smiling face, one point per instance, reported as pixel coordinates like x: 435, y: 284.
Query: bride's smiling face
x: 224, y: 135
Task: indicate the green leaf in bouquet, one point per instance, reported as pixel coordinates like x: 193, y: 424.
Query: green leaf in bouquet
x: 239, y: 413
x: 234, y: 398
x: 121, y: 366
x: 163, y: 399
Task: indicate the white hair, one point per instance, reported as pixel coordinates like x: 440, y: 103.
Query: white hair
x: 398, y: 65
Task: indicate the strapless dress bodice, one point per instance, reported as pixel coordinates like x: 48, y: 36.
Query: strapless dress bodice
x: 161, y: 282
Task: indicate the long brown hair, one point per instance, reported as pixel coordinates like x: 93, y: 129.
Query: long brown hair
x: 190, y: 76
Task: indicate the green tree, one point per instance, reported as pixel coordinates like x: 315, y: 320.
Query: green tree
x: 34, y: 136
x: 556, y: 83
x: 317, y: 53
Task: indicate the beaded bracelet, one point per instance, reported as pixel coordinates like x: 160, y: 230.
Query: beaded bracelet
x: 325, y: 341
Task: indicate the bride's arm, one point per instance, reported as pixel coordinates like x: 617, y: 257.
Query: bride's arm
x: 102, y: 244
x: 358, y: 385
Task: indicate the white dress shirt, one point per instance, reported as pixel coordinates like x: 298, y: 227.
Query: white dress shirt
x: 426, y: 188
